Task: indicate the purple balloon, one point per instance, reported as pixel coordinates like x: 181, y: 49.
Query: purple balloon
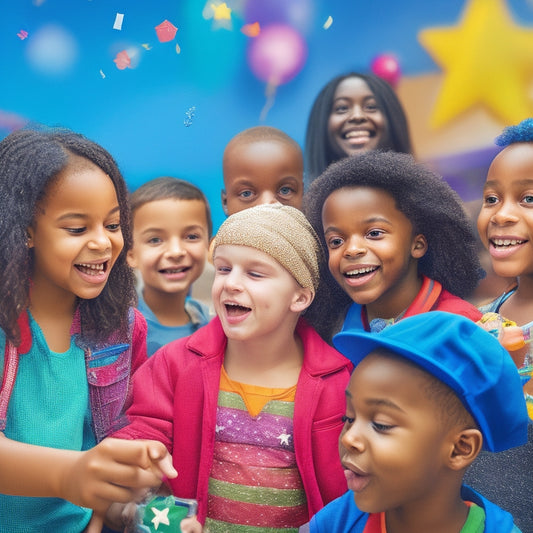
x: 277, y: 54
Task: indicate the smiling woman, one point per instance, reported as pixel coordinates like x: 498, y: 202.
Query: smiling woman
x: 353, y: 113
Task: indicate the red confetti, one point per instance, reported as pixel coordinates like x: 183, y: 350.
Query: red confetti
x: 251, y: 30
x: 166, y: 31
x: 122, y: 60
x: 22, y: 34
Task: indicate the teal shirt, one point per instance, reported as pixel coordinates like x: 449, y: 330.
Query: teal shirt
x: 49, y: 406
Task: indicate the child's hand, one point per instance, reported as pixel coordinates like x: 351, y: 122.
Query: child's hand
x: 115, y: 470
x: 191, y: 525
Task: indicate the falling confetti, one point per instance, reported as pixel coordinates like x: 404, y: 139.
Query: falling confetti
x: 22, y: 34
x: 166, y: 31
x: 102, y: 74
x: 221, y: 11
x: 328, y: 23
x: 122, y: 60
x: 251, y: 30
x: 178, y: 49
x: 118, y: 21
x: 189, y: 114
x: 146, y: 46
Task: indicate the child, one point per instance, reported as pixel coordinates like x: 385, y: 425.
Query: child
x: 425, y: 396
x: 251, y: 403
x: 505, y: 225
x: 171, y: 232
x: 398, y: 240
x: 352, y: 114
x: 261, y: 165
x: 69, y: 340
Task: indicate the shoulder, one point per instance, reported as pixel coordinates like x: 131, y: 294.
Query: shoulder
x: 453, y: 304
x: 340, y: 515
x: 319, y: 357
x: 198, y: 311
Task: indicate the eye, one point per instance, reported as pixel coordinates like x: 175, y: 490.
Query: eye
x: 528, y: 199
x: 193, y: 237
x: 381, y: 428
x: 246, y: 194
x: 335, y: 242
x: 154, y: 240
x: 371, y: 107
x: 113, y: 227
x: 76, y: 231
x: 490, y: 199
x: 340, y: 108
x: 375, y: 233
x: 346, y: 419
x: 222, y: 269
x: 286, y: 190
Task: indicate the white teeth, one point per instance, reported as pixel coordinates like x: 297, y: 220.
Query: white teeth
x: 506, y: 242
x: 361, y: 271
x: 353, y: 134
x: 100, y: 266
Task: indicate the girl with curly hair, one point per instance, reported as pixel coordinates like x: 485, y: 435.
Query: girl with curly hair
x: 398, y: 243
x: 69, y: 339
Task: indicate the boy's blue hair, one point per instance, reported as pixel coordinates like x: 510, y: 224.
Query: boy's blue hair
x: 520, y: 133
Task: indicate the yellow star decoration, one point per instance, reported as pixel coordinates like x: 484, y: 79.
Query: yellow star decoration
x: 221, y: 11
x: 487, y: 60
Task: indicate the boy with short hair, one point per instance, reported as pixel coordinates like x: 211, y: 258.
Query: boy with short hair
x: 261, y: 165
x: 171, y: 233
x: 250, y: 405
x: 426, y: 395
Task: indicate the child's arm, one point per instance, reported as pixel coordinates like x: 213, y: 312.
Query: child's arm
x: 112, y: 471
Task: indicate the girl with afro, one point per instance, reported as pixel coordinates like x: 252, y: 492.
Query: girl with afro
x: 398, y: 243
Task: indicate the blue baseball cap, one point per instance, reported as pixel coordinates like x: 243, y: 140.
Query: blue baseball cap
x: 465, y: 357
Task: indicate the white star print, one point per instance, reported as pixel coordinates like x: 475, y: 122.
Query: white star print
x: 284, y: 438
x: 218, y: 428
x: 160, y: 517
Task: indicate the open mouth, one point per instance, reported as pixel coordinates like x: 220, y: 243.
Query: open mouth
x: 360, y: 272
x: 505, y: 243
x: 236, y: 309
x: 358, y: 134
x: 92, y: 269
x: 174, y: 270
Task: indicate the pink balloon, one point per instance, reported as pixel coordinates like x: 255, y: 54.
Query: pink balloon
x: 386, y: 66
x: 277, y: 54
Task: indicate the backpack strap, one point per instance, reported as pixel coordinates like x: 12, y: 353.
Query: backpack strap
x: 11, y: 363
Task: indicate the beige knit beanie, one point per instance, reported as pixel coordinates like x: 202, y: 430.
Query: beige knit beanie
x: 280, y: 231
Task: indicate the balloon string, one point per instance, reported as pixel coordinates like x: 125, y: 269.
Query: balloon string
x: 270, y: 93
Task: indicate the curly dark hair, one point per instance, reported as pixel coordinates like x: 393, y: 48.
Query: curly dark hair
x: 30, y: 160
x: 433, y: 208
x: 316, y: 152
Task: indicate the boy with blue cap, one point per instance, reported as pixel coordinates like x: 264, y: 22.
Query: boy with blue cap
x: 426, y: 395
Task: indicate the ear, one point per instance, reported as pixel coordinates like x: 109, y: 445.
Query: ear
x: 419, y: 246
x: 467, y: 444
x: 131, y: 259
x: 224, y: 199
x: 302, y: 300
x: 29, y: 238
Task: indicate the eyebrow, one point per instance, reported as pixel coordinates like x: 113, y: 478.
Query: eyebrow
x: 371, y: 220
x: 493, y: 183
x: 378, y: 402
x: 83, y: 216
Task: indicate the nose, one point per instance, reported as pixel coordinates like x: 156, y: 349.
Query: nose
x: 268, y: 197
x: 174, y: 248
x: 352, y: 438
x: 357, y: 114
x: 505, y: 215
x: 233, y: 280
x: 354, y: 247
x: 99, y: 240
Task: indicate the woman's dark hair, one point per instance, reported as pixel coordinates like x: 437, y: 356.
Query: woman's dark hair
x: 431, y: 205
x: 317, y: 154
x: 166, y: 187
x: 30, y: 160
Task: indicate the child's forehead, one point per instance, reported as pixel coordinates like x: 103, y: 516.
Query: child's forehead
x: 172, y: 211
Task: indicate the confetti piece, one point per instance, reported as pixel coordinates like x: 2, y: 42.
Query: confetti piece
x: 102, y: 74
x: 328, y: 23
x: 122, y: 60
x: 178, y: 49
x: 221, y: 11
x: 118, y: 21
x: 251, y: 30
x: 166, y: 31
x: 22, y: 34
x: 146, y: 46
x: 189, y: 114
